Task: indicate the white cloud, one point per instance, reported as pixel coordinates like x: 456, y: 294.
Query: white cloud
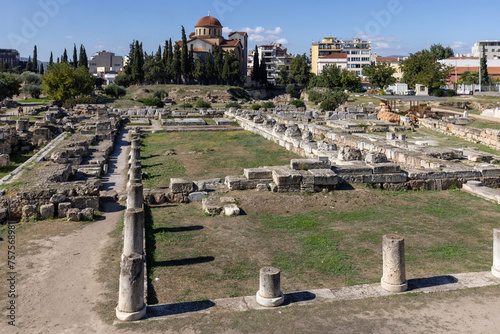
x: 227, y: 30
x: 461, y: 47
x: 69, y: 37
x: 260, y: 34
x: 381, y: 42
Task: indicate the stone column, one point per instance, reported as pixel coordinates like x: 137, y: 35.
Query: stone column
x: 135, y: 196
x: 133, y: 232
x: 393, y: 252
x: 495, y: 270
x: 135, y: 154
x: 269, y: 294
x: 131, y: 304
x: 136, y: 143
x: 135, y: 175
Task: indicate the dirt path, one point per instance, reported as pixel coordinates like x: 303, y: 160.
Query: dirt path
x: 58, y: 286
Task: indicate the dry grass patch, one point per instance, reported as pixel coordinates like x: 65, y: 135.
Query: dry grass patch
x: 319, y: 240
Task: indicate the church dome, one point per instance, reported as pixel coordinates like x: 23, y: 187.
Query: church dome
x: 208, y: 21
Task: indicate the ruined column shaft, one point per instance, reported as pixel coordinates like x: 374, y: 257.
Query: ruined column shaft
x: 269, y: 293
x: 135, y: 196
x: 133, y: 232
x: 495, y: 270
x: 394, y: 270
x: 131, y: 304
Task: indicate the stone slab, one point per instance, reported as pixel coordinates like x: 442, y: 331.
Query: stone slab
x: 286, y: 177
x: 181, y: 185
x: 257, y: 173
x: 324, y: 177
x: 385, y: 178
x: 307, y: 164
x: 385, y: 168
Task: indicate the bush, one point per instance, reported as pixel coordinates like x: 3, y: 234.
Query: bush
x: 186, y: 105
x: 32, y: 90
x: 298, y: 103
x: 315, y: 96
x: 233, y: 105
x: 268, y: 105
x: 329, y: 104
x: 31, y: 78
x: 437, y: 92
x: 290, y: 89
x: 256, y: 106
x: 451, y: 92
x: 70, y: 103
x: 161, y: 94
x: 115, y: 90
x: 122, y: 80
x: 202, y: 104
x: 153, y: 102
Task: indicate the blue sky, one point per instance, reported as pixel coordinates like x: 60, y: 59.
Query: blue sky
x: 395, y: 27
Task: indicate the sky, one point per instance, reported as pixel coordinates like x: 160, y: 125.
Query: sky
x: 395, y: 27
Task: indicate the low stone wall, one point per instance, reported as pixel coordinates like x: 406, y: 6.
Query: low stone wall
x: 488, y: 137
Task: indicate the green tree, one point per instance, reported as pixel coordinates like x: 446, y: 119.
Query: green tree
x: 485, y: 78
x: 350, y: 81
x: 191, y: 62
x: 184, y: 56
x: 209, y: 67
x: 31, y: 78
x: 256, y: 65
x: 83, y: 61
x: 230, y: 70
x: 9, y: 86
x: 283, y: 78
x: 199, y: 70
x: 300, y: 69
x: 32, y: 90
x: 218, y: 63
x: 138, y: 64
x: 35, y: 59
x: 176, y: 64
x: 423, y: 68
x: 441, y: 52
x: 470, y: 78
x: 41, y: 70
x: 62, y: 81
x: 380, y: 75
x: 51, y: 59
x: 263, y: 72
x: 122, y: 79
x: 75, y: 57
x: 29, y: 65
x: 64, y: 58
x: 115, y: 90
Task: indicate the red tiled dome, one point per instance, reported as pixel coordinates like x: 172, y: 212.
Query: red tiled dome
x: 208, y: 21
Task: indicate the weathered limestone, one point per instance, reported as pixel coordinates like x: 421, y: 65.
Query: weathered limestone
x: 211, y: 206
x: 307, y: 164
x: 257, y: 173
x: 4, y: 160
x: 131, y: 304
x: 87, y: 214
x: 269, y: 294
x: 135, y: 196
x: 29, y: 212
x: 133, y: 231
x: 135, y: 173
x: 62, y: 209
x: 74, y: 215
x: 231, y: 210
x: 181, y: 185
x: 495, y: 269
x: 135, y: 154
x: 394, y: 270
x: 47, y: 211
x: 197, y: 196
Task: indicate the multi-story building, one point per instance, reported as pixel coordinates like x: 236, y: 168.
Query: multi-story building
x: 491, y: 48
x: 358, y: 52
x: 274, y: 56
x: 460, y: 65
x: 105, y: 62
x: 10, y: 57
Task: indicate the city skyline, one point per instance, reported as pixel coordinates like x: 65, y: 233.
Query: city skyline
x: 395, y: 27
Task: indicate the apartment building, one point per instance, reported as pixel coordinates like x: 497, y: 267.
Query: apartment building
x: 491, y: 48
x: 10, y: 57
x: 358, y: 53
x: 274, y: 55
x: 104, y: 61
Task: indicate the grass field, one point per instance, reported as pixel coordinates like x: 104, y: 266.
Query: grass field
x: 320, y: 240
x: 203, y: 155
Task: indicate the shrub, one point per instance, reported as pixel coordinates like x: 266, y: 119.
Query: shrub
x: 153, y: 102
x: 115, y: 90
x: 290, y: 89
x: 298, y: 103
x: 33, y: 90
x: 437, y: 92
x: 268, y: 105
x: 161, y: 94
x: 256, y: 106
x: 122, y: 80
x: 233, y: 105
x: 451, y: 92
x: 202, y: 104
x: 315, y: 96
x: 31, y: 78
x: 329, y: 104
x: 186, y: 105
x: 70, y: 103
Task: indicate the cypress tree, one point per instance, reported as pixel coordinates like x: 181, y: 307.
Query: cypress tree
x: 35, y: 59
x: 51, y: 59
x: 485, y: 78
x: 209, y: 67
x: 58, y: 61
x: 29, y: 65
x: 176, y: 64
x: 158, y: 57
x: 218, y: 63
x: 42, y: 69
x: 75, y: 57
x: 263, y: 72
x: 256, y: 66
x: 138, y: 63
x: 64, y: 58
x: 191, y: 61
x: 184, y: 56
